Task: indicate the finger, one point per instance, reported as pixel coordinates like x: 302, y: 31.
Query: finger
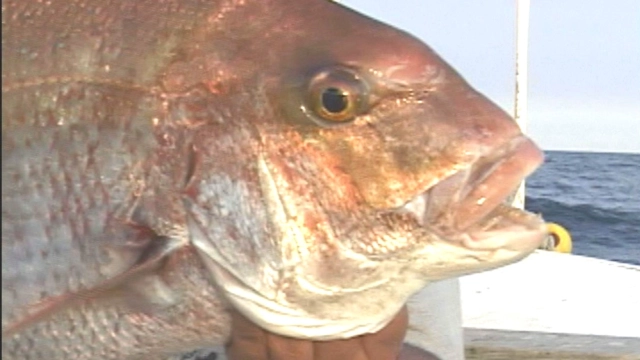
x: 247, y: 341
x: 351, y: 349
x: 285, y: 348
x: 410, y: 352
x: 387, y: 343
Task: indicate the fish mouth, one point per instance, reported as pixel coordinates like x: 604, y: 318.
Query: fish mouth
x: 471, y: 204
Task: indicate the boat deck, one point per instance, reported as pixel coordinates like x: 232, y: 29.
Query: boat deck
x: 484, y: 344
x: 551, y: 292
x: 553, y: 306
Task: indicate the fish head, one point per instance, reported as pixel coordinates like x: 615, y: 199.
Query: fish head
x: 352, y: 167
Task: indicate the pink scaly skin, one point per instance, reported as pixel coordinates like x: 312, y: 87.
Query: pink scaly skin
x: 165, y: 161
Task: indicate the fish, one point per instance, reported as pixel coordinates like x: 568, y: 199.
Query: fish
x: 164, y: 162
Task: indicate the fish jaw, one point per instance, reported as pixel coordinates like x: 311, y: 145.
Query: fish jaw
x: 350, y: 275
x: 325, y: 287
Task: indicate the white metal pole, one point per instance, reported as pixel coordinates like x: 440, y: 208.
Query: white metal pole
x: 522, y: 55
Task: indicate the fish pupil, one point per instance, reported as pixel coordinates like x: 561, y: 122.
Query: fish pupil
x: 335, y: 100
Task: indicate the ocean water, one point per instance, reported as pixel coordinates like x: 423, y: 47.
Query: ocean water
x: 596, y: 197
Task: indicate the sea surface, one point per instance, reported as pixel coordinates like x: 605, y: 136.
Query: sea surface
x: 595, y: 196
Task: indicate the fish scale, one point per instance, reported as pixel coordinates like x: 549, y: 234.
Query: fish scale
x: 105, y: 331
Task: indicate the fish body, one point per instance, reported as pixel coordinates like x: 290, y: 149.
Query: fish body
x: 163, y: 162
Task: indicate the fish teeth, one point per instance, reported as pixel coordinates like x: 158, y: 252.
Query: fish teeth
x: 417, y: 207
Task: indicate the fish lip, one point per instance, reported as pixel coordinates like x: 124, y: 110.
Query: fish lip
x: 464, y: 199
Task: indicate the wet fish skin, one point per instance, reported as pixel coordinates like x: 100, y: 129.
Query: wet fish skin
x: 161, y: 163
x: 78, y: 154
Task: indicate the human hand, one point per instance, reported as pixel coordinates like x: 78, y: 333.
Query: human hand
x: 250, y: 342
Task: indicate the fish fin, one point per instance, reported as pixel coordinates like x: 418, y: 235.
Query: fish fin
x: 149, y: 293
x: 139, y: 282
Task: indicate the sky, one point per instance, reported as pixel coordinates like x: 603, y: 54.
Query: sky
x: 584, y: 61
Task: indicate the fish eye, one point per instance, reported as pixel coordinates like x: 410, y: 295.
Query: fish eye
x: 337, y: 96
x: 335, y: 100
